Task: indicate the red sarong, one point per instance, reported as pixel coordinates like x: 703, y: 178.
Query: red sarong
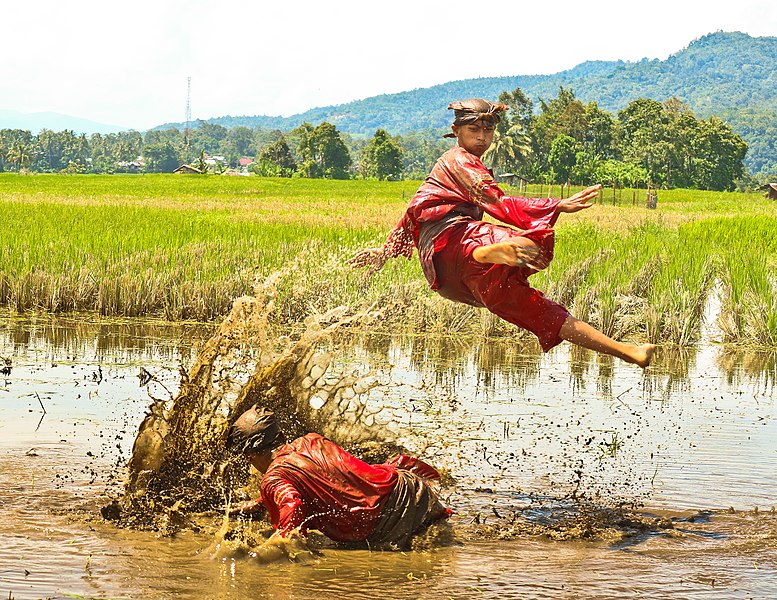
x: 503, y: 290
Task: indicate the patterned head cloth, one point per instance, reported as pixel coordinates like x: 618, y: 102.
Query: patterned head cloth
x: 474, y: 109
x: 255, y: 431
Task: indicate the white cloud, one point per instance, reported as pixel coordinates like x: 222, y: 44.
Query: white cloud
x: 127, y: 63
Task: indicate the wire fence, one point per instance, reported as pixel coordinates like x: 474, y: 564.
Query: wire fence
x: 613, y: 195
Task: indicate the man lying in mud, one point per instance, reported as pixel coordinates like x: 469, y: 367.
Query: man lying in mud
x: 312, y: 483
x: 484, y: 264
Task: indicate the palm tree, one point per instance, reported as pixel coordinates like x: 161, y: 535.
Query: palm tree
x: 19, y: 155
x: 509, y: 150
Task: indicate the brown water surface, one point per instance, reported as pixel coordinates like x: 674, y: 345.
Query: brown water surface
x: 688, y: 447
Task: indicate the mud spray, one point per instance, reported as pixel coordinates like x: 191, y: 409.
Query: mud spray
x: 180, y: 476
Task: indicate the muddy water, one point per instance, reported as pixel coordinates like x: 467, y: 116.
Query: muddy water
x: 691, y: 445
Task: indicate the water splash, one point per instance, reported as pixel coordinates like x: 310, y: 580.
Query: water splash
x: 179, y: 465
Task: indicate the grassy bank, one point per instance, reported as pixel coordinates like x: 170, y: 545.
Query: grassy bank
x: 184, y: 247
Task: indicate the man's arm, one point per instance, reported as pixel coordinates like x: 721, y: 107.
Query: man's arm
x: 284, y: 505
x: 249, y: 507
x: 399, y: 243
x: 523, y: 213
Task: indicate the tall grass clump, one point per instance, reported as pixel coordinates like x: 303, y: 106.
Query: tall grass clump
x: 131, y: 261
x: 605, y: 277
x: 677, y: 299
x: 748, y: 249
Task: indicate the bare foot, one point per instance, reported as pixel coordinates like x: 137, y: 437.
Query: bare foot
x: 643, y: 355
x: 515, y: 252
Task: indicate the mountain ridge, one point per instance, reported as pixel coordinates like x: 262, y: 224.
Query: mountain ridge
x: 654, y: 78
x: 726, y: 74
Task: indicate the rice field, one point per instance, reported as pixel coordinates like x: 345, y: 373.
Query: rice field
x: 182, y: 248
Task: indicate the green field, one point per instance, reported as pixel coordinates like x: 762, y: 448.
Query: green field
x: 183, y: 247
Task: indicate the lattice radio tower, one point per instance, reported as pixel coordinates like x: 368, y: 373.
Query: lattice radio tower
x: 188, y: 110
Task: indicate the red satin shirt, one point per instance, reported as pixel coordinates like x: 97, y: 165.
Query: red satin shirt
x: 312, y: 483
x: 460, y: 182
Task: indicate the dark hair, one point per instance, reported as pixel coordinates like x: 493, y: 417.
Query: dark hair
x: 254, y: 432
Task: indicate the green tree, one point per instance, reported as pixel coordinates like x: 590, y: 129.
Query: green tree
x: 10, y: 141
x: 50, y: 150
x: 510, y: 150
x: 321, y: 151
x: 421, y: 151
x: 276, y: 160
x: 521, y: 110
x: 644, y: 138
x: 719, y: 153
x: 301, y: 136
x: 210, y: 136
x: 127, y: 146
x: 676, y: 149
x: 612, y: 171
x: 239, y: 141
x: 599, y: 137
x: 382, y: 157
x: 332, y: 154
x: 562, y: 157
x: 308, y: 165
x: 199, y: 163
x: 19, y: 155
x: 160, y: 157
x: 562, y: 114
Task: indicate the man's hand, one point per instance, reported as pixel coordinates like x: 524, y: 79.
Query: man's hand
x: 372, y: 258
x: 579, y: 201
x: 249, y: 507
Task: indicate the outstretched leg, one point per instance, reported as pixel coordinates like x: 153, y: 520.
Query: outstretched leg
x: 581, y: 333
x: 505, y: 291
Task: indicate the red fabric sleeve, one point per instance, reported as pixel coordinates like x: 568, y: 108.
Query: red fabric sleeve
x: 284, y: 506
x: 400, y: 239
x: 523, y: 213
x: 414, y: 465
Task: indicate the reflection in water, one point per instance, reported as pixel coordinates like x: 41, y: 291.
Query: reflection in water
x: 97, y: 339
x: 753, y: 366
x: 451, y: 360
x: 671, y: 375
x: 447, y: 360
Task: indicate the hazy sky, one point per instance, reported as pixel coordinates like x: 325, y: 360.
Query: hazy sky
x: 126, y: 63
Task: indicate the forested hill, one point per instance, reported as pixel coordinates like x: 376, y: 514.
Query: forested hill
x: 731, y: 75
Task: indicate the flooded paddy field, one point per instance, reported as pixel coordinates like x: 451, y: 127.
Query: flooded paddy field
x: 570, y: 475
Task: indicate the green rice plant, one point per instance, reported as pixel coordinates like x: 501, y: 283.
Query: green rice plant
x: 605, y: 287
x: 749, y: 307
x: 604, y: 317
x: 747, y: 247
x: 680, y: 291
x: 185, y: 247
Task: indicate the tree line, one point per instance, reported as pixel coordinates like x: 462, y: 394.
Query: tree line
x: 649, y: 142
x: 662, y: 144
